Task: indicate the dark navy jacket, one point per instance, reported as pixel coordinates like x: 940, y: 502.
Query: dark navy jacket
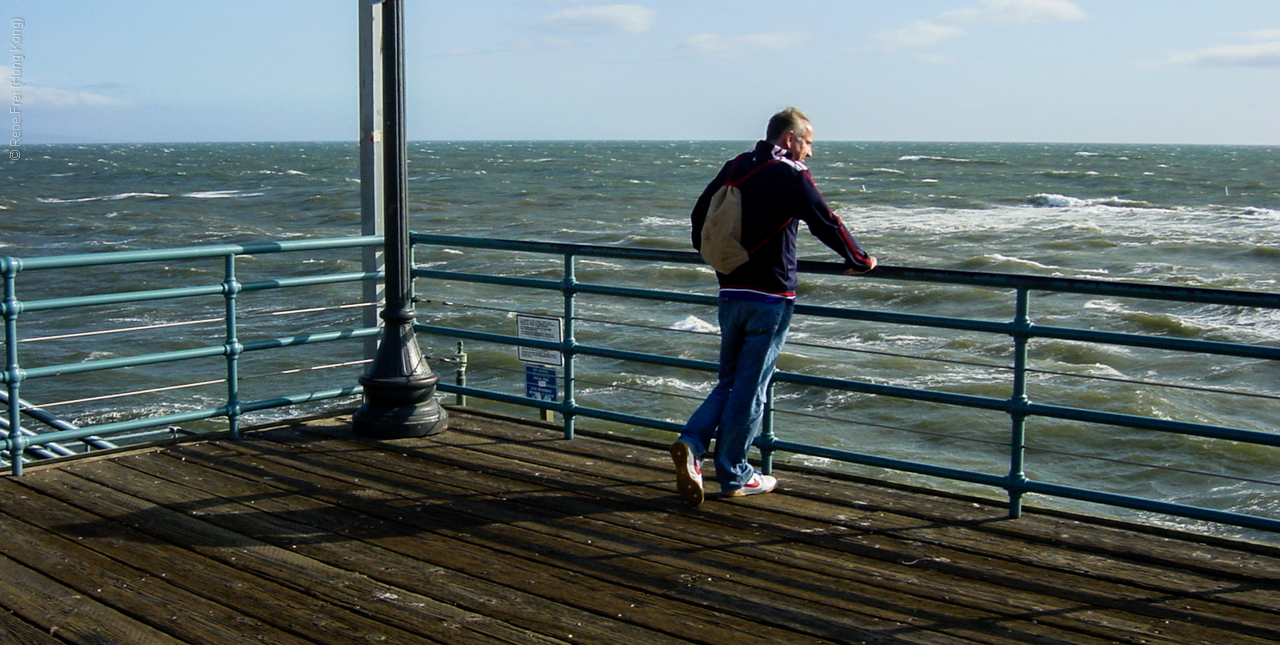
x: 775, y: 200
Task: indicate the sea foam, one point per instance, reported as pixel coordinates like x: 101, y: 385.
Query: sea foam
x: 101, y: 198
x: 695, y: 324
x: 220, y: 194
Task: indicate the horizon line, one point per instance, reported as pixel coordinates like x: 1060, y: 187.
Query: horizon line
x: 40, y: 142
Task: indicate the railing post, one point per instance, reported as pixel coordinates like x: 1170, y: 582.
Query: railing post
x: 460, y: 375
x: 569, y: 343
x: 231, y: 288
x: 1018, y: 404
x: 11, y: 267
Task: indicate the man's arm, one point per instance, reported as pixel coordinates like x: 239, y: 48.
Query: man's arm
x: 827, y: 227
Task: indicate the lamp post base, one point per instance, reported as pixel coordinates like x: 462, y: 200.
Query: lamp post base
x: 399, y: 408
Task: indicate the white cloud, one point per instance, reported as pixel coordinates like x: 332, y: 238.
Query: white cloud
x: 550, y: 42
x: 1262, y: 54
x: 1262, y: 35
x: 934, y: 59
x: 615, y: 18
x: 34, y: 96
x: 952, y: 24
x: 717, y: 46
x: 1014, y: 12
x: 921, y: 34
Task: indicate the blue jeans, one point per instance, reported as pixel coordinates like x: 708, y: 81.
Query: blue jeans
x: 751, y: 336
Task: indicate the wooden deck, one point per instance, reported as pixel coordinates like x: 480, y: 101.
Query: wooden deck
x: 496, y: 532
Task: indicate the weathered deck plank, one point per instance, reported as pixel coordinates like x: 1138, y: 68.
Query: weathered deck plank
x: 258, y: 598
x: 496, y: 532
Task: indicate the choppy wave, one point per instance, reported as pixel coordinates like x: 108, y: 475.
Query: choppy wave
x: 1007, y: 264
x: 101, y: 198
x: 1260, y: 213
x: 1050, y: 200
x: 951, y: 160
x: 222, y: 194
x: 296, y: 173
x: 663, y: 221
x: 932, y: 158
x: 695, y: 324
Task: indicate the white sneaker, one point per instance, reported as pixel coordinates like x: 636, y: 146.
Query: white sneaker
x: 688, y: 473
x: 758, y: 485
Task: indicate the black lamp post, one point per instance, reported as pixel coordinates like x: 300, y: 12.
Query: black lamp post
x: 399, y: 387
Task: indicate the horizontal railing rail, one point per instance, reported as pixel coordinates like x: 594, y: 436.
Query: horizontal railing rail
x: 20, y: 441
x: 1019, y: 331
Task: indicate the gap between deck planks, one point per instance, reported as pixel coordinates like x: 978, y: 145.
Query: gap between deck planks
x: 501, y: 532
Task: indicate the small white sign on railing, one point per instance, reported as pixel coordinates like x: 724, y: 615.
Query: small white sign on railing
x: 543, y: 328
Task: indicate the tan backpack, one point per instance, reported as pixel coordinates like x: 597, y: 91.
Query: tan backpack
x: 722, y: 231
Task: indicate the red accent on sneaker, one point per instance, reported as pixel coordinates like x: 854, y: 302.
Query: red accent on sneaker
x: 758, y: 485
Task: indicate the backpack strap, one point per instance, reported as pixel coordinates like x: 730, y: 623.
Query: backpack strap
x: 734, y: 184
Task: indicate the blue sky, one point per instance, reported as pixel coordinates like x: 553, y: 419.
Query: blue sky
x: 1082, y: 71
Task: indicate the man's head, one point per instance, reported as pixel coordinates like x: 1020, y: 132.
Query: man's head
x: 790, y: 129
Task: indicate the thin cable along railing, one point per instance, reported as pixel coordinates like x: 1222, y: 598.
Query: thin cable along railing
x: 608, y: 357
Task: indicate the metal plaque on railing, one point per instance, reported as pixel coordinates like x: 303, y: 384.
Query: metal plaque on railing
x: 544, y: 328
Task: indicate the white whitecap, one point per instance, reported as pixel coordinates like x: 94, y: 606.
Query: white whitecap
x: 220, y: 194
x: 695, y: 324
x: 933, y: 158
x: 1001, y: 259
x: 662, y: 221
x: 100, y: 198
x: 1053, y: 200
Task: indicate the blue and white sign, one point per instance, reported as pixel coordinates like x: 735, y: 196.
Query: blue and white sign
x: 540, y: 383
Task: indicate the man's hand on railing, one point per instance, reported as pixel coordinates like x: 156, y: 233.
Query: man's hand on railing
x: 856, y: 271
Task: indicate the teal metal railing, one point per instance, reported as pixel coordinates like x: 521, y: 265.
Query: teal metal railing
x: 561, y: 277
x: 1018, y: 332
x: 88, y: 269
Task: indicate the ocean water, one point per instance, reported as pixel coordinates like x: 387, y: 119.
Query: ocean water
x: 1202, y: 216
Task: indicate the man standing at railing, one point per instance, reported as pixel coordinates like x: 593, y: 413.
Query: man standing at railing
x: 756, y: 299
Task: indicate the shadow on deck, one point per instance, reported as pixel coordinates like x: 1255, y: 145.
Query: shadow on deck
x: 501, y: 532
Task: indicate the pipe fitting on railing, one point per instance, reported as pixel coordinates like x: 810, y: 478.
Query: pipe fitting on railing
x: 1016, y: 485
x: 10, y: 267
x: 232, y: 287
x: 16, y: 445
x: 233, y: 349
x: 13, y: 374
x: 9, y: 309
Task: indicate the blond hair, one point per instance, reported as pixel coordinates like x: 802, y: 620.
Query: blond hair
x: 784, y: 122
